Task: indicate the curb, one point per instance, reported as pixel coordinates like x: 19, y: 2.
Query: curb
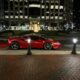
x: 35, y: 52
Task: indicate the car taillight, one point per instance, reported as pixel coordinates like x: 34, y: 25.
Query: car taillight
x: 56, y: 43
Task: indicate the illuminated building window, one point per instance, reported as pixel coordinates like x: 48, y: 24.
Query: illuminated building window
x: 56, y: 7
x: 6, y: 16
x: 51, y: 17
x: 42, y: 17
x: 11, y: 16
x: 34, y: 5
x: 52, y: 6
x: 61, y: 7
x: 26, y: 17
x: 60, y: 17
x: 56, y: 17
x: 47, y: 17
x: 43, y: 6
x: 21, y: 16
x: 16, y: 16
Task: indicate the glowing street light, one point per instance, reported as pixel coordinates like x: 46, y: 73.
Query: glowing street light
x: 29, y: 40
x: 29, y: 47
x: 75, y: 40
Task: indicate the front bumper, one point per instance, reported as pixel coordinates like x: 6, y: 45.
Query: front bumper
x: 56, y: 45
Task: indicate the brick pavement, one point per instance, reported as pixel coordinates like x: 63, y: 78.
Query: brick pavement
x: 38, y: 67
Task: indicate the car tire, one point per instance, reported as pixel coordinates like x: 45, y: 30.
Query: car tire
x: 15, y: 46
x: 47, y: 46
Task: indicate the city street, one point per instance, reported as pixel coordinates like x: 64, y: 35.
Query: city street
x: 55, y: 67
x: 65, y: 49
x: 51, y: 27
x: 42, y: 64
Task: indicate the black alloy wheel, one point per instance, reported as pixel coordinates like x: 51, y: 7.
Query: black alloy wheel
x: 14, y: 46
x: 47, y: 46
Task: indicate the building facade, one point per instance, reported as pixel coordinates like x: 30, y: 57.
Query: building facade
x: 35, y: 14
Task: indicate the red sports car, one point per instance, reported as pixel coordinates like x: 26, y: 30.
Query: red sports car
x: 36, y: 42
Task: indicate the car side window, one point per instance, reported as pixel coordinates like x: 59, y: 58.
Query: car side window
x: 25, y: 37
x: 34, y: 38
x: 41, y: 38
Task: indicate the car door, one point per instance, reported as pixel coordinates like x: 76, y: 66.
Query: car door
x: 24, y: 43
x: 36, y: 42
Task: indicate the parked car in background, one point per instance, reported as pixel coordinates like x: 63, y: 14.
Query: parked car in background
x: 37, y: 41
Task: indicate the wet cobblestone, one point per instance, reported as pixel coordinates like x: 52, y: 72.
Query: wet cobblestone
x: 38, y: 67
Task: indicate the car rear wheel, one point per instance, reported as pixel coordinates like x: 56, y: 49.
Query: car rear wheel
x: 14, y: 46
x: 47, y: 46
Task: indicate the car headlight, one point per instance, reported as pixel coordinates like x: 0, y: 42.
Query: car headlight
x: 56, y: 43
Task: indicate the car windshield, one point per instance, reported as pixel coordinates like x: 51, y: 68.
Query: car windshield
x: 45, y: 37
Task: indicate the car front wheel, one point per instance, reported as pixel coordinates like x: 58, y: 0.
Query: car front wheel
x: 47, y: 46
x: 14, y: 46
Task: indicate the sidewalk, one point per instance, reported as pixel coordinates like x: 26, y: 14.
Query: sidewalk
x: 43, y: 67
x: 36, y: 52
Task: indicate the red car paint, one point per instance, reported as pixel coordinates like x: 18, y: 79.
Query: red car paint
x: 3, y: 45
x: 36, y: 42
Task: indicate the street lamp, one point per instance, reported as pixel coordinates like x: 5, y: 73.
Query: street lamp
x: 75, y: 40
x: 29, y: 47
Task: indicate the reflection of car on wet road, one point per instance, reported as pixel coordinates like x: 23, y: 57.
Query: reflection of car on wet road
x: 36, y: 42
